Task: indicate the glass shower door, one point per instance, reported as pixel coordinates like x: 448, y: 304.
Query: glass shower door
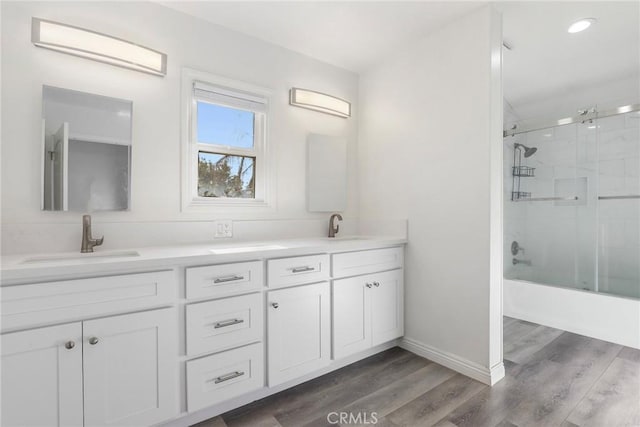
x: 555, y: 207
x: 618, y: 209
x: 575, y: 216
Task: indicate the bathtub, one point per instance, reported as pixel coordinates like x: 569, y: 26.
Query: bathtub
x: 606, y: 317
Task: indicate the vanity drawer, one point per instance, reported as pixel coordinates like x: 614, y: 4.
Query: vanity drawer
x: 223, y: 376
x: 216, y: 325
x: 49, y: 302
x: 224, y: 279
x: 297, y: 270
x: 364, y: 262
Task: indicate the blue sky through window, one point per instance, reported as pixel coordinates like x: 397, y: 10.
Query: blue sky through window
x: 224, y: 126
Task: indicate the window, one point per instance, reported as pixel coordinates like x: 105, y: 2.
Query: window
x: 226, y: 143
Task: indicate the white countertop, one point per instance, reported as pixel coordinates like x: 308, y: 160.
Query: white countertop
x: 16, y: 269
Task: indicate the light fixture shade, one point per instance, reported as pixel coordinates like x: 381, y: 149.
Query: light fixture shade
x: 99, y: 47
x: 581, y: 25
x: 318, y: 101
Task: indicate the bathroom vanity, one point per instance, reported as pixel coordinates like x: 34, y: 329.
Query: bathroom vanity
x: 177, y: 335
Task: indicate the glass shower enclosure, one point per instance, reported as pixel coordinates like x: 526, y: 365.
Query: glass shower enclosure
x: 572, y: 201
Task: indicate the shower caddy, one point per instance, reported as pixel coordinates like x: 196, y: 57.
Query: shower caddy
x: 519, y: 171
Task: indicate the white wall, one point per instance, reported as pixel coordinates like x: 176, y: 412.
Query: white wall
x: 430, y: 150
x: 155, y: 203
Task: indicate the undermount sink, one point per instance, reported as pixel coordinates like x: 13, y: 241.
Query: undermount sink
x: 88, y: 257
x: 241, y: 249
x: 345, y: 238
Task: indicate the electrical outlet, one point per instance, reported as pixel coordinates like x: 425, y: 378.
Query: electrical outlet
x: 224, y: 228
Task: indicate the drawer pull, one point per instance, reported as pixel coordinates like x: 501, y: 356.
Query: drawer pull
x: 233, y: 278
x: 368, y: 285
x: 226, y: 323
x: 376, y: 284
x: 302, y: 269
x: 227, y: 377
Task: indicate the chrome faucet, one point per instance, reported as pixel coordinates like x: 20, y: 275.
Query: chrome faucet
x: 334, y: 228
x: 88, y: 242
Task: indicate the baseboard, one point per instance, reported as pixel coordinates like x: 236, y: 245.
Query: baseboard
x: 486, y: 375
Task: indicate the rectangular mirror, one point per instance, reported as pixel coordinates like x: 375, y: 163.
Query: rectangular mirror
x: 86, y: 146
x: 326, y: 173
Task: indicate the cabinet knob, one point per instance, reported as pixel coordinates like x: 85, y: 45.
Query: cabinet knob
x: 376, y: 284
x: 69, y: 345
x: 93, y: 340
x: 275, y: 305
x: 368, y: 285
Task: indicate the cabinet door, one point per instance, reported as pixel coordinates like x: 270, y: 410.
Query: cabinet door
x: 351, y: 315
x: 387, y: 317
x: 130, y: 367
x: 299, y: 333
x: 42, y: 378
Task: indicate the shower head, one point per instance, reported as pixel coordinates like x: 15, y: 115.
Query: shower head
x: 528, y: 151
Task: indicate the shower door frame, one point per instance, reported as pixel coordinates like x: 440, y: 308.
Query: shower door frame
x: 583, y: 115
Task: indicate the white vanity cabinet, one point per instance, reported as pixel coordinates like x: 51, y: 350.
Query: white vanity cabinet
x: 178, y: 339
x: 223, y: 376
x: 228, y: 331
x: 220, y: 280
x: 224, y: 323
x: 130, y: 369
x: 367, y: 309
x: 387, y: 304
x: 297, y: 270
x: 42, y: 377
x: 298, y: 319
x: 114, y: 371
x: 43, y: 304
x: 299, y: 330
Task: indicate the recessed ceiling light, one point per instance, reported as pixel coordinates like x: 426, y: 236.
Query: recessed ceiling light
x: 581, y: 25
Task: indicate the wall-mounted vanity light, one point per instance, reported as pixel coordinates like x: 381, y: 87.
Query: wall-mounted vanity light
x: 99, y: 47
x: 319, y: 102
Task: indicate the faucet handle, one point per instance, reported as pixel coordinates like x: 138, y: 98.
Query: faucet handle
x: 98, y: 242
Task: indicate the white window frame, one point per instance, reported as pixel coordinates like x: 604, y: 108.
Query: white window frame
x: 191, y: 201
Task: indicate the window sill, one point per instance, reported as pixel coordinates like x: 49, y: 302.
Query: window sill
x: 223, y: 201
x: 230, y: 205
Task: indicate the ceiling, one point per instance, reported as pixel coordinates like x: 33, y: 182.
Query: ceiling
x: 353, y: 35
x: 545, y: 62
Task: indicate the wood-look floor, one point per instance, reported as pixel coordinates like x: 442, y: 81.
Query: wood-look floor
x: 554, y: 378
